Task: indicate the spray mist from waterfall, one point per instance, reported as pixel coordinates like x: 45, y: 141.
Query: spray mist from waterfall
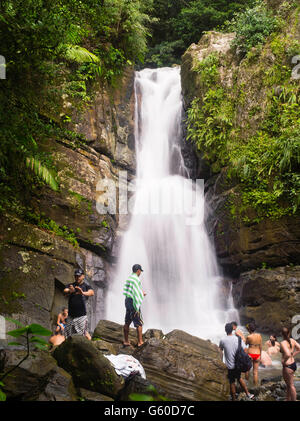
x: 167, y: 234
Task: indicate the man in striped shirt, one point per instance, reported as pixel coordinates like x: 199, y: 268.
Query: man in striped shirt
x: 134, y: 298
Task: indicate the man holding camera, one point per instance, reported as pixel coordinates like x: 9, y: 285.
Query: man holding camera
x: 78, y: 293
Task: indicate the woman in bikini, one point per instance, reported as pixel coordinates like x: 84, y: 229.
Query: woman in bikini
x: 254, y: 341
x: 289, y: 348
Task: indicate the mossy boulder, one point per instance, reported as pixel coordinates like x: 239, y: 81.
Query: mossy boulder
x: 37, y: 379
x: 113, y: 332
x: 180, y: 366
x: 88, y: 366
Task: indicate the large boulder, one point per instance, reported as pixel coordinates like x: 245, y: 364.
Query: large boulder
x: 140, y: 386
x: 38, y: 378
x: 179, y: 365
x: 113, y: 332
x: 88, y: 366
x: 185, y: 367
x: 88, y: 395
x: 270, y: 297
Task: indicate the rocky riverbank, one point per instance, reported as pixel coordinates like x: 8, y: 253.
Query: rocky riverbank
x: 179, y: 366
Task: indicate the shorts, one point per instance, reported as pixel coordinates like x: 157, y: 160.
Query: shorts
x: 76, y: 326
x: 60, y: 331
x: 131, y: 314
x: 233, y: 375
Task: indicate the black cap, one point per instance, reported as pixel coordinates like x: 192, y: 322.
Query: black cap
x: 78, y: 272
x: 136, y: 267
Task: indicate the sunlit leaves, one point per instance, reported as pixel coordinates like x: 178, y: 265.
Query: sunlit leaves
x: 42, y: 172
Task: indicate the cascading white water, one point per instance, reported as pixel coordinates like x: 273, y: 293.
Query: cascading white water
x: 181, y: 276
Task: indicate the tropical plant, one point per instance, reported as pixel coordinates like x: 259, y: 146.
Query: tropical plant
x: 79, y: 54
x: 31, y: 333
x: 253, y: 26
x: 54, y: 50
x: 176, y: 24
x: 42, y: 172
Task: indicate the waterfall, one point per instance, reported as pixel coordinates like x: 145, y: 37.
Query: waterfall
x: 166, y: 233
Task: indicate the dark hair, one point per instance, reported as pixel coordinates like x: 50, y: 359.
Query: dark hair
x: 251, y: 327
x: 273, y: 341
x: 137, y: 267
x: 234, y: 323
x: 64, y: 308
x: 286, y: 335
x: 228, y: 328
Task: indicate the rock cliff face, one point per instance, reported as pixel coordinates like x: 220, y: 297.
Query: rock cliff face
x: 242, y: 247
x: 271, y: 297
x: 38, y: 256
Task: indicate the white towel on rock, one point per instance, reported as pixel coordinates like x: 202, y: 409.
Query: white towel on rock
x: 126, y: 364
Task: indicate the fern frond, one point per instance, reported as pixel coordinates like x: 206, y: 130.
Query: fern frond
x: 42, y: 172
x: 80, y: 54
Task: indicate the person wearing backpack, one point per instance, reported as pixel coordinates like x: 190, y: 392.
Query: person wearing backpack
x: 230, y: 346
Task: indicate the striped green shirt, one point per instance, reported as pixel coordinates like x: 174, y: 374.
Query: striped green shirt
x: 133, y: 289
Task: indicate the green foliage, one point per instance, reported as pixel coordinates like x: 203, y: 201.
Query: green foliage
x: 105, y: 224
x: 265, y: 163
x: 50, y: 225
x: 80, y: 54
x: 153, y: 395
x: 253, y: 26
x: 2, y: 394
x: 31, y: 334
x: 41, y: 171
x: 209, y: 125
x: 54, y: 52
x: 293, y: 48
x: 208, y: 69
x: 178, y: 23
x: 12, y: 297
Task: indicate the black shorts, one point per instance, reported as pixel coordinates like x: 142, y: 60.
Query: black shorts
x: 234, y: 375
x: 131, y: 314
